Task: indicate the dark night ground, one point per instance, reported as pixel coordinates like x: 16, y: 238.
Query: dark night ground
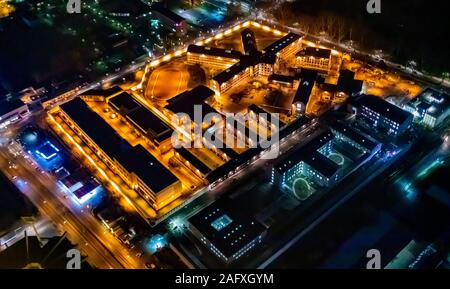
x: 407, y: 29
x: 13, y: 205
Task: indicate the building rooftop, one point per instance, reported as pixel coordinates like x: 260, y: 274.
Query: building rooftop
x: 124, y: 103
x: 134, y: 159
x: 355, y: 136
x: 281, y: 43
x: 214, y: 51
x: 148, y: 123
x: 282, y: 78
x: 306, y: 153
x: 185, y: 101
x: 102, y: 92
x: 159, y: 7
x: 321, y: 163
x: 233, y: 70
x: 440, y: 101
x: 7, y: 106
x: 348, y: 84
x: 249, y: 41
x: 384, y: 108
x: 304, y: 91
x: 315, y: 52
x: 227, y: 226
x: 193, y: 160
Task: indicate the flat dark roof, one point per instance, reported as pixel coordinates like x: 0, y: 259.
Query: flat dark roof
x: 7, y: 106
x: 301, y: 153
x: 185, y: 101
x: 124, y: 102
x: 214, y: 51
x: 187, y: 155
x: 233, y: 70
x: 304, y: 90
x: 315, y: 52
x: 348, y: 84
x: 281, y: 43
x: 248, y: 41
x: 226, y: 225
x: 103, y: 92
x: 308, y: 74
x: 270, y: 117
x: 148, y: 123
x: 134, y: 159
x: 354, y: 135
x: 384, y: 108
x: 222, y: 146
x: 233, y: 164
x: 281, y: 78
x: 159, y: 7
x: 321, y: 163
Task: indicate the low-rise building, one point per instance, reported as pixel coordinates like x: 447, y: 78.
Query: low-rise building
x: 143, y: 120
x: 314, y: 58
x: 430, y: 108
x: 308, y: 162
x: 212, y: 56
x: 226, y: 230
x: 12, y: 111
x: 383, y: 115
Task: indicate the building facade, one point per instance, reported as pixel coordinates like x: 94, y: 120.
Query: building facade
x: 135, y: 165
x: 314, y: 58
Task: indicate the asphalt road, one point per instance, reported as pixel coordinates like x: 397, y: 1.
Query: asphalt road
x: 92, y: 239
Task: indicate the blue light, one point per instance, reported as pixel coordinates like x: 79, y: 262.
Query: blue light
x: 156, y: 243
x: 221, y: 222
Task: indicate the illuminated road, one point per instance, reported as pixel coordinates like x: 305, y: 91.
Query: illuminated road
x: 101, y: 247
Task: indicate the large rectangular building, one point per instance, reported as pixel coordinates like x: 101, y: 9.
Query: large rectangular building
x: 135, y: 165
x: 226, y: 230
x: 382, y: 114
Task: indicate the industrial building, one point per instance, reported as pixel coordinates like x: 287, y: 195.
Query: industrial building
x: 226, y: 230
x: 430, y: 108
x: 135, y: 165
x: 383, y: 115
